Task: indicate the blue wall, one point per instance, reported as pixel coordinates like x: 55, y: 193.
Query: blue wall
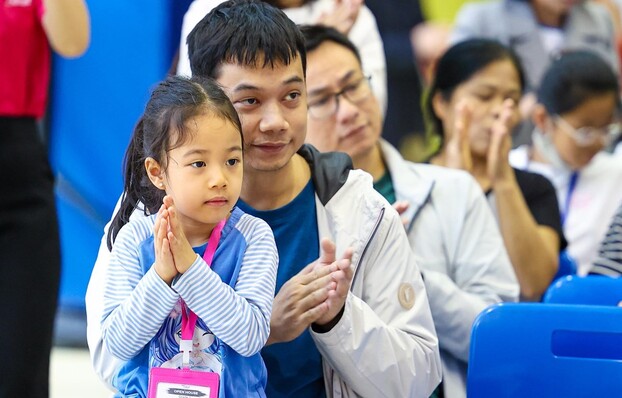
x: 95, y: 101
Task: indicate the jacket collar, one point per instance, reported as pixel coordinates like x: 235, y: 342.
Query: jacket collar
x: 409, y: 182
x: 329, y: 170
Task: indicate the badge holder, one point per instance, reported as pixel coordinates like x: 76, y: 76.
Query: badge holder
x: 185, y: 382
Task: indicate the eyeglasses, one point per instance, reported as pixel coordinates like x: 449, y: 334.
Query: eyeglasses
x: 586, y: 136
x: 327, y: 105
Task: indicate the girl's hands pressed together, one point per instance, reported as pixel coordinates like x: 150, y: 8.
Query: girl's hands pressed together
x: 164, y: 263
x: 181, y: 250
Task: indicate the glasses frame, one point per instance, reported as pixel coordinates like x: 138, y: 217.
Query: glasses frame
x: 587, y: 136
x: 366, y: 79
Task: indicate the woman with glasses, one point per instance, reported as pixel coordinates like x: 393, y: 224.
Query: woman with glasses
x: 471, y: 108
x: 576, y: 118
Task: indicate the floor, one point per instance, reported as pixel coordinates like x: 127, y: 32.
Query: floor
x: 72, y: 376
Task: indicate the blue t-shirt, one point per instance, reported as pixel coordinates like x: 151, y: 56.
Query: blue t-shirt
x: 294, y: 368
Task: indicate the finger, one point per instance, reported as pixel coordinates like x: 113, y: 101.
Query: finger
x: 401, y: 206
x: 327, y: 251
x: 167, y: 201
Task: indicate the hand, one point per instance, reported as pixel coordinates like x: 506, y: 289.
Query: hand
x: 401, y: 206
x: 302, y: 299
x: 458, y: 151
x: 343, y: 278
x: 343, y: 15
x: 498, y: 166
x: 182, y: 252
x: 164, y: 264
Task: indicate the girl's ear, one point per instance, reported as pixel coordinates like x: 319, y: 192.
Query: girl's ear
x: 540, y: 116
x: 155, y: 173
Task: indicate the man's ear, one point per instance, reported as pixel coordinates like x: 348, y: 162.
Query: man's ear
x: 155, y: 173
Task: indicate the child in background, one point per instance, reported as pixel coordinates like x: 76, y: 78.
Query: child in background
x: 184, y: 164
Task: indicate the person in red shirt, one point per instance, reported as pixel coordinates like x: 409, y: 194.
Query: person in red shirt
x: 29, y: 238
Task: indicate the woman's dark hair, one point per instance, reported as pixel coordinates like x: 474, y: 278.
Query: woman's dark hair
x: 457, y: 65
x: 245, y: 32
x: 573, y: 78
x: 162, y: 127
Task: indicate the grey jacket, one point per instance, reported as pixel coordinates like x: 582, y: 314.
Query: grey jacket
x: 460, y: 251
x: 512, y: 22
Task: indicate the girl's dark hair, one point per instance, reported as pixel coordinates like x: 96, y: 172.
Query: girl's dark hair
x: 457, y: 65
x: 162, y: 127
x: 244, y: 32
x: 573, y: 78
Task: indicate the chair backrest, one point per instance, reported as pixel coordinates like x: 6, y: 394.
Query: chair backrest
x: 534, y: 350
x: 567, y: 265
x: 589, y: 290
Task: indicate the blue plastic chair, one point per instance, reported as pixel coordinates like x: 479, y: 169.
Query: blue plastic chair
x: 536, y: 350
x: 567, y: 265
x: 590, y: 290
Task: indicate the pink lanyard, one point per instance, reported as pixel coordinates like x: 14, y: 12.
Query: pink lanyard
x: 188, y: 317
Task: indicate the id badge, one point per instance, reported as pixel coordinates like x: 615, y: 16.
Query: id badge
x: 182, y: 383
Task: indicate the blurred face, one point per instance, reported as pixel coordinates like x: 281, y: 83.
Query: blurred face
x: 483, y: 94
x: 343, y: 113
x: 271, y: 103
x: 204, y: 175
x: 580, y: 134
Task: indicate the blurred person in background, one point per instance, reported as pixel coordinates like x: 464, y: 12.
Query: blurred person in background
x: 29, y: 237
x: 576, y: 117
x: 538, y: 31
x: 471, y: 108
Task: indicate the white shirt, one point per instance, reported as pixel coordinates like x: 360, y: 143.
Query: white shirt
x: 591, y: 206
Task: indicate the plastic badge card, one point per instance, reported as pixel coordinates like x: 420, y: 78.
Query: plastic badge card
x: 182, y: 383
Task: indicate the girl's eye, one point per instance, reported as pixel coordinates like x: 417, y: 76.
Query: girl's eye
x: 197, y: 164
x: 233, y: 162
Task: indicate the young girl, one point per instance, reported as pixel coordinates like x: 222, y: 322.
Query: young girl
x: 576, y: 118
x: 472, y: 107
x: 184, y: 165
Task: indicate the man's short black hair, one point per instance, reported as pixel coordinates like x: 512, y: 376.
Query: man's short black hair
x: 244, y: 32
x: 315, y: 35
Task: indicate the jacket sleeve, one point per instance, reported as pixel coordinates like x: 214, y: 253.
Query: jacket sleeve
x: 104, y: 364
x: 481, y: 274
x: 385, y: 344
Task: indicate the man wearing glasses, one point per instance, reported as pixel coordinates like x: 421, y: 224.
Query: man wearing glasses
x: 449, y: 223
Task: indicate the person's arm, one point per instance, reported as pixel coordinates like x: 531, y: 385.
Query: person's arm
x: 239, y: 316
x: 67, y: 26
x: 385, y: 343
x: 133, y: 301
x: 533, y: 248
x: 480, y: 271
x: 609, y: 261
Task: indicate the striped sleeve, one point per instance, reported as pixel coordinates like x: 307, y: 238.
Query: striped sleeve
x: 609, y: 261
x: 240, y: 317
x: 135, y: 304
